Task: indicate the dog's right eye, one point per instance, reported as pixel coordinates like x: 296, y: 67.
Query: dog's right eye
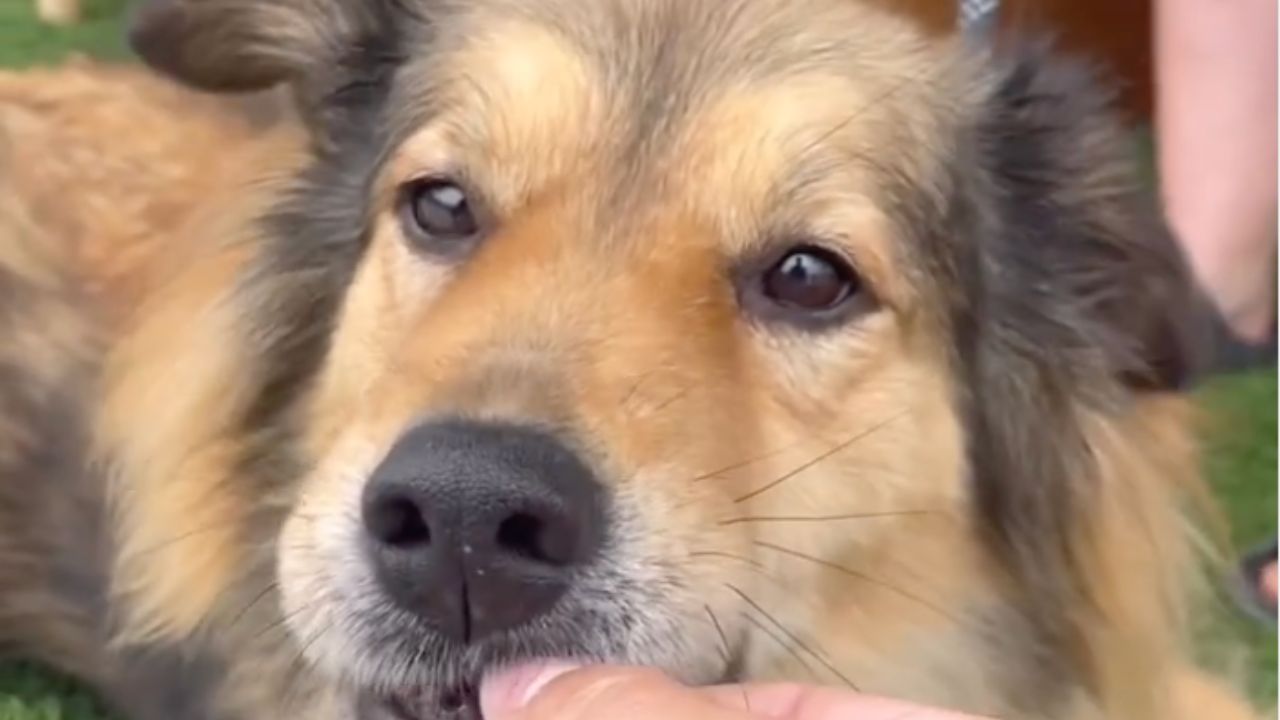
x: 808, y: 279
x: 438, y: 215
x: 807, y: 285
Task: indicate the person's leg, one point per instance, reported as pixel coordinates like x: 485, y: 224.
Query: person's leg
x: 1216, y: 130
x: 58, y: 12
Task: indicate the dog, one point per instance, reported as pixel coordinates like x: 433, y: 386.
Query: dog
x: 742, y: 339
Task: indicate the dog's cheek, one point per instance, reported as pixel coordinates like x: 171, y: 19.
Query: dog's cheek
x: 390, y: 289
x: 673, y: 541
x: 318, y: 555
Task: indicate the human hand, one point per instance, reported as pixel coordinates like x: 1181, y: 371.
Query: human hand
x: 562, y: 692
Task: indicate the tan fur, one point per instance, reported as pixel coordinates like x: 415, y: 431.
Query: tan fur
x: 1133, y: 554
x: 70, y: 123
x: 120, y: 234
x: 618, y: 332
x: 184, y: 542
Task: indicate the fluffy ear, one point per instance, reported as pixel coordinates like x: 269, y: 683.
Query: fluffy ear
x: 1079, y: 297
x: 235, y: 45
x: 1079, y: 321
x: 320, y: 48
x: 1077, y: 222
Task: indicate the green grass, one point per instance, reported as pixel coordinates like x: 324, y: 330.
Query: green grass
x: 1242, y: 452
x: 1242, y: 437
x: 25, y: 41
x: 1241, y: 463
x: 29, y: 693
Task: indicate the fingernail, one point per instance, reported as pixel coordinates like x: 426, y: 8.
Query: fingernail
x: 511, y: 689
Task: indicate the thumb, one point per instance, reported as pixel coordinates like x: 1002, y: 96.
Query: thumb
x: 558, y: 691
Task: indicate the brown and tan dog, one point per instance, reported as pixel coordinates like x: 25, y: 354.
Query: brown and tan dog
x: 747, y: 339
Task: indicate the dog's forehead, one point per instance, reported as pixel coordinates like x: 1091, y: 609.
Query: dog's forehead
x: 757, y: 91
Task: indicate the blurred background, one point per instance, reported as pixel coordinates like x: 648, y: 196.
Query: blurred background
x: 1240, y: 418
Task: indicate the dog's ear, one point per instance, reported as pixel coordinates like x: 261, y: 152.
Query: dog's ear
x: 1076, y: 225
x: 1078, y: 315
x: 1078, y: 298
x: 237, y: 45
x: 321, y: 49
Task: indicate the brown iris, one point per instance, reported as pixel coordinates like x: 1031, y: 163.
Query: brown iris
x: 809, y: 279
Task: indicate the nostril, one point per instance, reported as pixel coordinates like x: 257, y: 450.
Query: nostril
x: 521, y: 534
x: 534, y: 538
x: 397, y: 521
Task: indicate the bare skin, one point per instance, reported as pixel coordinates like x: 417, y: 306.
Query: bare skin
x: 565, y: 692
x: 1216, y: 120
x: 1270, y: 580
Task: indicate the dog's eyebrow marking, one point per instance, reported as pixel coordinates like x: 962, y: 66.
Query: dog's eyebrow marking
x: 517, y: 89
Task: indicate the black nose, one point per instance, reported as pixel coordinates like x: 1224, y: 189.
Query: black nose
x: 479, y: 527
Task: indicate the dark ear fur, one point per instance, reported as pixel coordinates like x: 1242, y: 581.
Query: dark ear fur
x: 1077, y: 303
x: 323, y: 49
x: 1078, y: 224
x: 236, y: 45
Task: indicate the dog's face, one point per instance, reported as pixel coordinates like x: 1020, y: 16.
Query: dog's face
x: 703, y: 335
x: 632, y: 353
